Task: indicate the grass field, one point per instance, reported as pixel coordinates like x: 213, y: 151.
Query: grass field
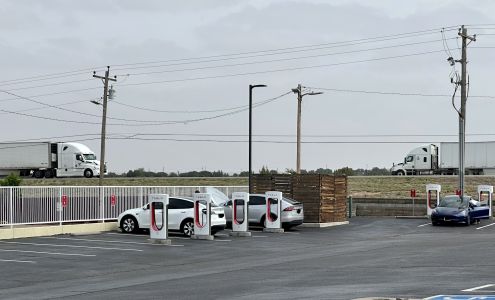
x: 359, y: 186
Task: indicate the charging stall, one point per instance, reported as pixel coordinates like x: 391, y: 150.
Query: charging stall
x: 158, y: 218
x: 485, y: 193
x: 273, y: 215
x: 432, y: 197
x: 202, y: 216
x: 240, y: 221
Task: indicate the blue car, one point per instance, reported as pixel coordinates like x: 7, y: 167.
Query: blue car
x: 453, y: 209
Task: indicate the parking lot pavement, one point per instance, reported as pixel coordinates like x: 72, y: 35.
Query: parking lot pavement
x: 370, y: 257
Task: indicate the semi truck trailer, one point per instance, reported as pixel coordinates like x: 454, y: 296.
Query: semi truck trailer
x: 46, y: 159
x: 479, y: 159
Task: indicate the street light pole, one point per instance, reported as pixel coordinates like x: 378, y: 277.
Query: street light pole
x: 300, y: 95
x: 251, y: 87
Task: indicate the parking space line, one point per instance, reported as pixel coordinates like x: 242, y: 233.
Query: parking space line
x: 19, y: 261
x: 478, y: 288
x: 49, y: 253
x: 222, y: 240
x: 290, y: 232
x: 259, y: 236
x: 424, y: 224
x: 93, y: 240
x: 71, y: 246
x: 485, y: 226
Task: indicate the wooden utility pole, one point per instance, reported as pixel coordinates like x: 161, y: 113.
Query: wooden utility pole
x: 300, y: 96
x: 105, y: 79
x: 462, y: 116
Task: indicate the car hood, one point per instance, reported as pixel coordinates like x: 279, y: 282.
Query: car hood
x: 449, y: 210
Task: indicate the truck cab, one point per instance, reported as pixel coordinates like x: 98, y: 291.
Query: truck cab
x: 421, y: 160
x: 75, y: 160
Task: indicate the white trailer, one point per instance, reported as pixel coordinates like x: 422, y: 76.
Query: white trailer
x: 45, y: 159
x: 444, y: 159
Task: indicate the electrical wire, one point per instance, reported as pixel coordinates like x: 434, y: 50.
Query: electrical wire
x: 157, y: 123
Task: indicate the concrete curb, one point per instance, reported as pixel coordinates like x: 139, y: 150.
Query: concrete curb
x: 324, y: 225
x: 48, y: 230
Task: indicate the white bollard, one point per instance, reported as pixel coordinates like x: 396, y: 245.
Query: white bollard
x: 202, y: 217
x: 488, y: 191
x: 158, y: 219
x: 432, y: 197
x: 240, y: 208
x: 273, y: 214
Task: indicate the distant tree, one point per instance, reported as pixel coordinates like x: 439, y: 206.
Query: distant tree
x: 344, y: 171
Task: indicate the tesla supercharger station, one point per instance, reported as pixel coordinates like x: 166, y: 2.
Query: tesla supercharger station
x: 273, y: 212
x: 485, y: 193
x: 202, y: 216
x: 432, y: 197
x: 240, y: 221
x: 158, y: 218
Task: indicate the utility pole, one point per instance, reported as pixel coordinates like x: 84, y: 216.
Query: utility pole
x: 462, y: 116
x: 300, y: 96
x: 104, y: 120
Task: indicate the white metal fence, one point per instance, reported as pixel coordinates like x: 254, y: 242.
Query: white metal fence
x: 64, y: 204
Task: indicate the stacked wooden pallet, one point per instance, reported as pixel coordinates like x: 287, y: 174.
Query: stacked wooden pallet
x: 324, y: 196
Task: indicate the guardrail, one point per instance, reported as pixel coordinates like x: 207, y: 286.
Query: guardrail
x: 66, y: 204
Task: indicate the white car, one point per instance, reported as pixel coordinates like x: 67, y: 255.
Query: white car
x: 180, y: 217
x: 292, y: 211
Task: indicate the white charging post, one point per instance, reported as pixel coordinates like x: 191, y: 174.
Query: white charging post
x: 202, y: 216
x: 240, y: 221
x: 273, y: 216
x: 432, y: 197
x: 158, y: 219
x: 485, y: 193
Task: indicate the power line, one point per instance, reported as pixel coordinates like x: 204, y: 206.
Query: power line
x: 394, y: 93
x: 150, y: 124
x: 50, y: 76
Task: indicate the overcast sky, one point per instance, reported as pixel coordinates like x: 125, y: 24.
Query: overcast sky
x: 188, y: 65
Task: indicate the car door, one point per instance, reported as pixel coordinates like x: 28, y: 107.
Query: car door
x: 178, y: 210
x: 144, y: 216
x: 257, y: 208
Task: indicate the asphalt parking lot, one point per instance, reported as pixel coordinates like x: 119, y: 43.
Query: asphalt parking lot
x: 370, y: 257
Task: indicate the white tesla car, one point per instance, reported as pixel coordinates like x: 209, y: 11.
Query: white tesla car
x: 180, y: 217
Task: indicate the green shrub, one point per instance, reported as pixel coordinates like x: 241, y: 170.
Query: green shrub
x: 11, y: 180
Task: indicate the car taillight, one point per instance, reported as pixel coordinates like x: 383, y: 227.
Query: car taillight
x: 290, y: 208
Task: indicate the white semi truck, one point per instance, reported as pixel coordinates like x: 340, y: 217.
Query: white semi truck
x: 479, y: 159
x: 46, y: 159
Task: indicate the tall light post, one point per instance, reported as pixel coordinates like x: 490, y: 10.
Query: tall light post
x: 300, y: 95
x: 251, y: 87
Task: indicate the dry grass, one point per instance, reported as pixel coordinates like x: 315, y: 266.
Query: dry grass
x: 359, y: 186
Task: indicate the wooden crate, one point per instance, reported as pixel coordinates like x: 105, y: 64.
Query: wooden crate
x: 324, y: 196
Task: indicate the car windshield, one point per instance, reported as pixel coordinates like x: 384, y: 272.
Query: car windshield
x: 454, y: 202
x: 89, y: 157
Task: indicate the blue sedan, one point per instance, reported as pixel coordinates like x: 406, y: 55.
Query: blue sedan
x: 453, y: 209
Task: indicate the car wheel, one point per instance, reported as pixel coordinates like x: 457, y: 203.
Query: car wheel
x: 88, y: 173
x: 129, y: 224
x: 434, y: 223
x: 400, y: 173
x: 187, y: 227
